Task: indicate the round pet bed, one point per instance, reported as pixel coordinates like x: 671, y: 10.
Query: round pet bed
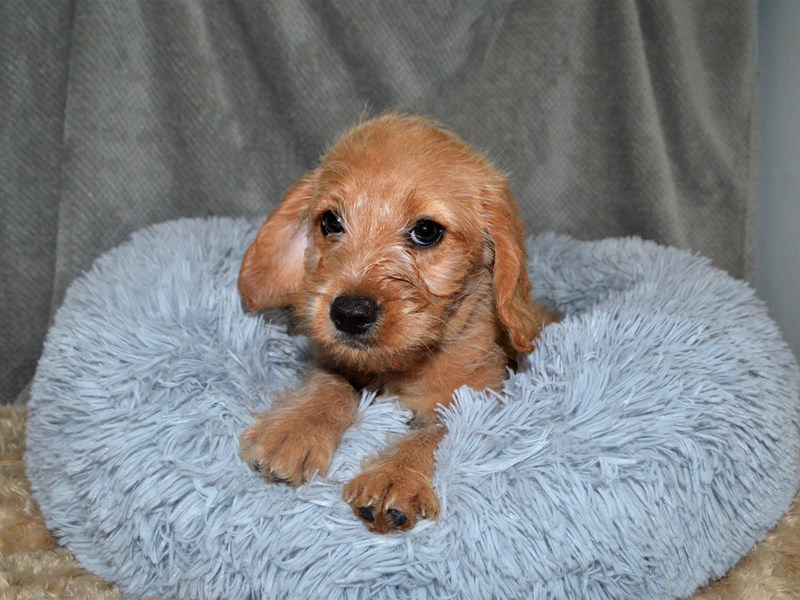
x: 644, y: 447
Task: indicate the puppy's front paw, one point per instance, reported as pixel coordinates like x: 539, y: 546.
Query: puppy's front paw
x: 388, y: 497
x: 288, y: 453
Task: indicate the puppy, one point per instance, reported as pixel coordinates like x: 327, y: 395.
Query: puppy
x: 402, y: 256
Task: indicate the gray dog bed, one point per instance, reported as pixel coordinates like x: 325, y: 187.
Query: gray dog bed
x: 645, y: 446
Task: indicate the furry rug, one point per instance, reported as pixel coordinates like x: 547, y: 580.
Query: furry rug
x: 33, y: 567
x: 650, y: 441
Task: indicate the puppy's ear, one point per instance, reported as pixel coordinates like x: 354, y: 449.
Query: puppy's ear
x: 272, y: 267
x: 510, y: 276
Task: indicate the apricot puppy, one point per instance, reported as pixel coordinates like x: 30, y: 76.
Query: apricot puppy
x: 402, y: 257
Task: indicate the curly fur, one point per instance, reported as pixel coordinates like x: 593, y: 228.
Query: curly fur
x: 452, y: 314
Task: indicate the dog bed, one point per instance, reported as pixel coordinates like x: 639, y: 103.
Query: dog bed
x: 646, y: 445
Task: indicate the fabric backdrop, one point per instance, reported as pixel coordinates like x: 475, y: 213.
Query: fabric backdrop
x: 613, y: 118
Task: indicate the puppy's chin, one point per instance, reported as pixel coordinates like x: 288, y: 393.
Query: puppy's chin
x: 366, y: 353
x: 362, y: 343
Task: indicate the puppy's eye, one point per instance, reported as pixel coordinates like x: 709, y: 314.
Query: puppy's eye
x: 330, y: 223
x: 426, y: 233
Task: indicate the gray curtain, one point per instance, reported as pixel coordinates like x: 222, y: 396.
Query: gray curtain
x: 613, y: 118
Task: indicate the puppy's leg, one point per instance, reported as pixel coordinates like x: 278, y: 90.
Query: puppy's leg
x: 396, y: 490
x: 300, y: 434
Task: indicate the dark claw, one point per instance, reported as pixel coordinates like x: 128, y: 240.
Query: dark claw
x: 256, y: 466
x: 275, y: 478
x: 397, y: 518
x: 367, y: 513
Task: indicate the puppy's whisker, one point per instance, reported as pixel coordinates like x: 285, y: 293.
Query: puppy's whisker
x: 279, y: 315
x: 428, y: 348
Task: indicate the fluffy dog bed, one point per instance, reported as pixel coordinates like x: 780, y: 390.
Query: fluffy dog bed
x: 650, y: 441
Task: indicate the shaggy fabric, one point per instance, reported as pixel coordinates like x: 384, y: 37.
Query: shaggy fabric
x: 646, y: 445
x: 32, y: 567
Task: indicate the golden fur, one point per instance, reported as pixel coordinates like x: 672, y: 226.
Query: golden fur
x: 443, y: 314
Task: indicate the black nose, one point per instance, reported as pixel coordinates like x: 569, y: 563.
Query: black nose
x: 353, y: 314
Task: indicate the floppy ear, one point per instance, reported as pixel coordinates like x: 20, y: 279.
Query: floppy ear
x: 272, y: 267
x: 510, y: 283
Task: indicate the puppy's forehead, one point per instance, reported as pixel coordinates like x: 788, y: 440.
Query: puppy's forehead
x: 400, y: 143
x: 403, y: 167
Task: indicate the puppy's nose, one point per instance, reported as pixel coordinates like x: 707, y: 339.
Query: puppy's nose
x: 353, y: 314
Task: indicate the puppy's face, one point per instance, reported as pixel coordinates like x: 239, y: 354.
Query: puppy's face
x: 379, y: 246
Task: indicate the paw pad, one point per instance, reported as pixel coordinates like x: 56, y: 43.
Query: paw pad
x: 396, y: 518
x: 367, y: 513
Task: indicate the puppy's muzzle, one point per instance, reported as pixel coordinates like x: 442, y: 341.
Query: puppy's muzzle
x: 354, y: 315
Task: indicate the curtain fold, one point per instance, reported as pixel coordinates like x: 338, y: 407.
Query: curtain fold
x: 612, y: 118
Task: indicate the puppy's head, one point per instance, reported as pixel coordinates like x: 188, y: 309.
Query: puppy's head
x: 378, y: 246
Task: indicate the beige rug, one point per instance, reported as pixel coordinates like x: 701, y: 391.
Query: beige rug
x: 34, y: 567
